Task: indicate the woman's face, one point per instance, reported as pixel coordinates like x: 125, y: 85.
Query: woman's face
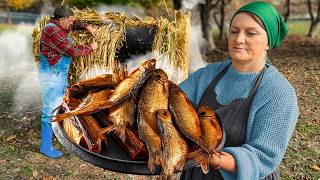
x: 247, y: 40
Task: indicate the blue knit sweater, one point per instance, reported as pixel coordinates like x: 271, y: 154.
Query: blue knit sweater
x: 271, y: 122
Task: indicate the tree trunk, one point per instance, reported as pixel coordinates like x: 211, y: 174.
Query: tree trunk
x: 206, y: 15
x: 313, y: 30
x: 314, y: 21
x: 286, y: 8
x: 222, y: 15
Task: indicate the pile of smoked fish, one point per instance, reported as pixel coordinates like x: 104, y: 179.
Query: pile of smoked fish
x: 149, y: 115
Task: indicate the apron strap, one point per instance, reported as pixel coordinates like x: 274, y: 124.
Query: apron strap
x: 209, y: 95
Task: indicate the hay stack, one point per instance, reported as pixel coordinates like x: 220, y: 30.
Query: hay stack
x: 171, y: 40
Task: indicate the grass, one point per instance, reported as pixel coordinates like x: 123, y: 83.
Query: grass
x: 6, y: 27
x: 299, y: 27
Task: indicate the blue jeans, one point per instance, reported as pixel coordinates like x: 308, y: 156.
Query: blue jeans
x: 53, y: 82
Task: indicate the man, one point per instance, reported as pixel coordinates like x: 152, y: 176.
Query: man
x: 56, y: 50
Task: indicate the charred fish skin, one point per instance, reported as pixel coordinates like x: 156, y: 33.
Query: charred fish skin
x: 210, y: 127
x: 135, y: 80
x: 149, y: 137
x: 92, y: 103
x: 100, y: 81
x: 154, y: 95
x: 174, y: 147
x: 185, y: 117
x: 123, y: 114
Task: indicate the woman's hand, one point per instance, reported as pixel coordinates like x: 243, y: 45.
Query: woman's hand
x: 92, y: 31
x: 223, y: 161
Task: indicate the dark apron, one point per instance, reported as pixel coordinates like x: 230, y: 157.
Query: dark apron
x: 234, y: 117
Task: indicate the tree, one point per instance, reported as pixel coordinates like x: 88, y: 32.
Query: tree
x: 207, y: 14
x: 314, y: 21
x: 20, y: 4
x: 219, y: 16
x: 286, y: 10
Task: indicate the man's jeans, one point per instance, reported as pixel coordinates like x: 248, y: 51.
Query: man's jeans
x: 53, y: 81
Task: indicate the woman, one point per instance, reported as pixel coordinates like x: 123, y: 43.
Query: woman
x: 257, y: 105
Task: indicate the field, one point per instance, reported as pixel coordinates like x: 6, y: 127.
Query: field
x: 298, y: 59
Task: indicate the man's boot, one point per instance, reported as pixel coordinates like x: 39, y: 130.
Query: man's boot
x: 46, y: 146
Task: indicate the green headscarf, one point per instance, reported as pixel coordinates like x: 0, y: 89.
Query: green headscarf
x: 273, y: 22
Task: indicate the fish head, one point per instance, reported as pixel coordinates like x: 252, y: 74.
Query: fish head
x: 173, y: 87
x: 160, y: 75
x: 205, y: 111
x: 164, y: 115
x: 150, y: 64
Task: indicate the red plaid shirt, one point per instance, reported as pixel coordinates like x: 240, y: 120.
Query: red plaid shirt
x: 54, y: 43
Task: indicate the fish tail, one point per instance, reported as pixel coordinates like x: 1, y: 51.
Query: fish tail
x: 206, y: 147
x: 61, y: 117
x: 151, y: 162
x: 166, y: 175
x: 107, y: 129
x: 203, y: 161
x: 121, y: 131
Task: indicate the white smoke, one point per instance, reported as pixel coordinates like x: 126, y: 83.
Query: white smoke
x: 189, y: 4
x: 131, y: 11
x: 197, y: 42
x: 18, y: 67
x: 135, y: 60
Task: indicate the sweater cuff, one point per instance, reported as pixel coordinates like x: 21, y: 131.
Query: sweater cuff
x: 246, y: 166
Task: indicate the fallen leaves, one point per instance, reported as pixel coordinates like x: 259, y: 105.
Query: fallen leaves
x: 314, y: 167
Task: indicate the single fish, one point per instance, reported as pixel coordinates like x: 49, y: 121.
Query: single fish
x: 95, y: 133
x: 122, y: 115
x: 185, y: 117
x: 212, y: 135
x: 92, y: 103
x: 174, y: 147
x: 210, y: 127
x: 150, y: 137
x: 100, y: 81
x: 133, y: 82
x: 154, y: 96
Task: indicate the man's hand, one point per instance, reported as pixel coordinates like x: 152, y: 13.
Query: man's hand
x: 92, y: 31
x: 94, y: 45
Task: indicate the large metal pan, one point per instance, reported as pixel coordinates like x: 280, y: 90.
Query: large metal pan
x: 113, y: 157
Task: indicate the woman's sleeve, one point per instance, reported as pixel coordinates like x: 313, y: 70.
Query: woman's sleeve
x: 189, y: 86
x: 272, y: 127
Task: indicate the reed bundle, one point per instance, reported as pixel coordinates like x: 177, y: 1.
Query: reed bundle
x: 171, y: 40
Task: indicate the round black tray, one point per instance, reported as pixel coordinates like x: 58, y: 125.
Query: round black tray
x: 113, y: 157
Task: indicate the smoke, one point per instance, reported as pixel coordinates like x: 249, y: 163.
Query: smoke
x: 190, y: 4
x: 139, y: 12
x: 197, y: 42
x: 17, y: 66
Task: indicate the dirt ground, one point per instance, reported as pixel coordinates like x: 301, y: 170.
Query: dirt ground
x: 298, y: 59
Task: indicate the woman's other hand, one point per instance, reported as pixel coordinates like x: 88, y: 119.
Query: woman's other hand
x: 224, y: 161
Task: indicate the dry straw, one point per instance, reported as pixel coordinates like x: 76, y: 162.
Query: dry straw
x: 172, y: 39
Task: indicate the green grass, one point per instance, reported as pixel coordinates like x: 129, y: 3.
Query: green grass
x: 6, y: 26
x: 299, y: 27
x: 28, y: 170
